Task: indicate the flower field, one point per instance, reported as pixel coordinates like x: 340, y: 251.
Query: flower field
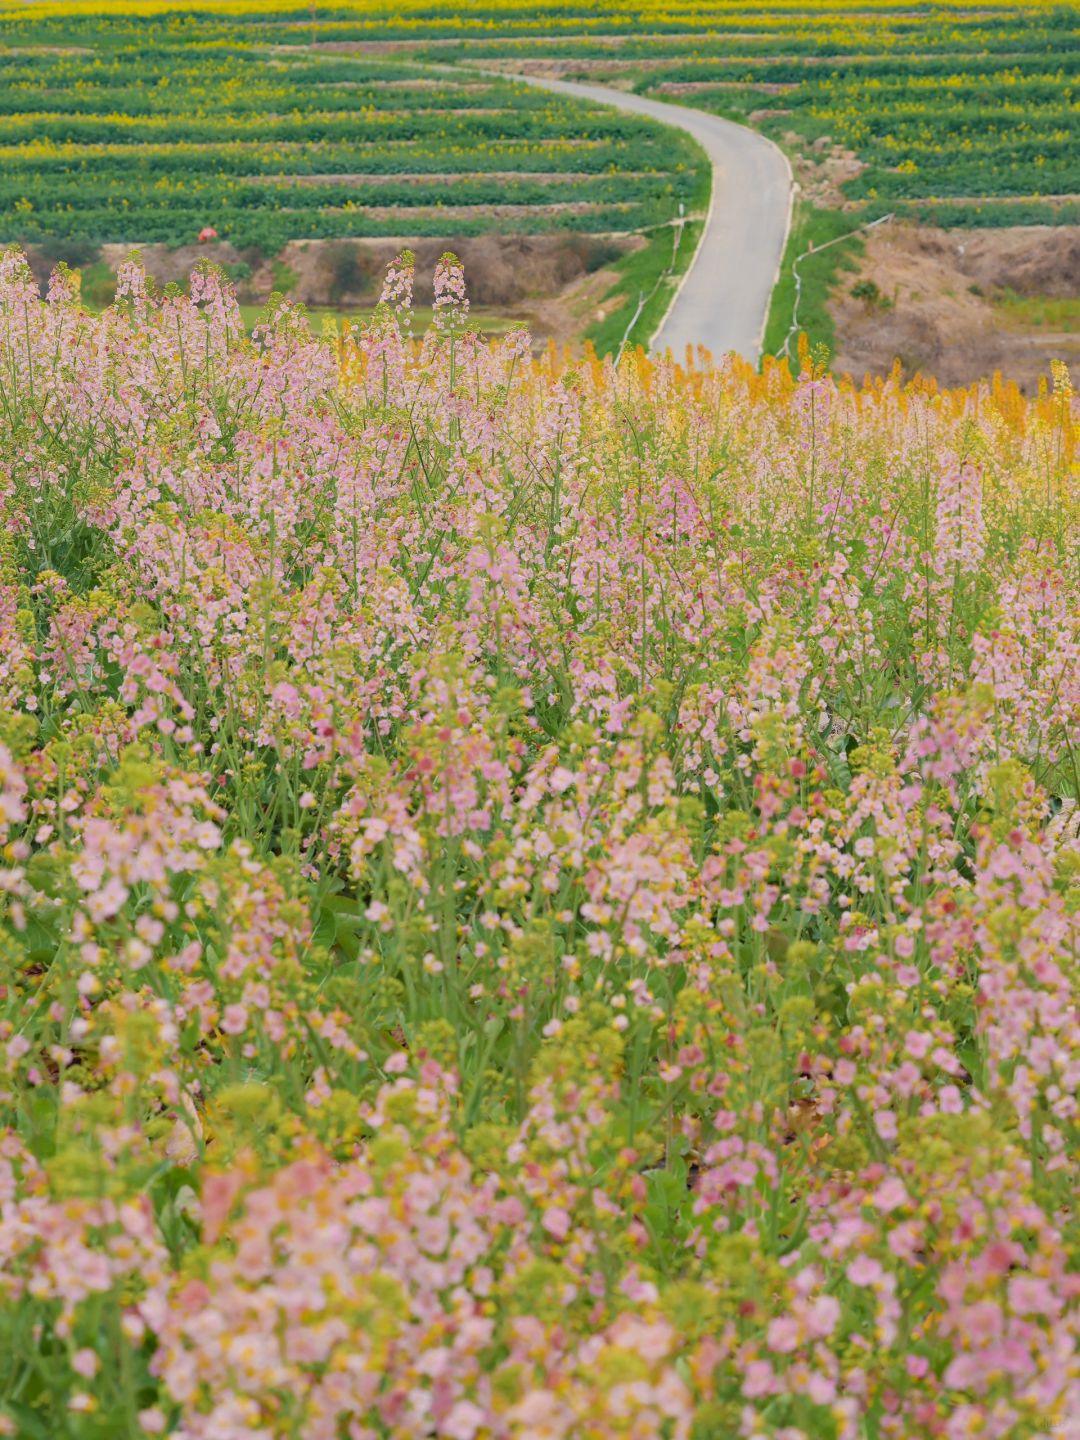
x: 538, y: 899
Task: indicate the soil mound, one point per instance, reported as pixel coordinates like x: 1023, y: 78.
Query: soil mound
x: 959, y: 305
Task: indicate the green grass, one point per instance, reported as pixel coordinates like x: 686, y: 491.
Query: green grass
x: 642, y: 273
x: 285, y: 277
x: 819, y: 272
x: 1043, y: 311
x: 486, y: 321
x: 98, y: 285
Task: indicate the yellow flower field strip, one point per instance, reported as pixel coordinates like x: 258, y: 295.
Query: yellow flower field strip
x: 420, y: 13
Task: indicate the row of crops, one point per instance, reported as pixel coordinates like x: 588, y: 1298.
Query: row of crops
x: 940, y: 102
x: 115, y: 139
x: 278, y: 121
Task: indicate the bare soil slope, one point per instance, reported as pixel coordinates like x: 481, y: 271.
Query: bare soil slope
x: 951, y: 303
x: 501, y: 270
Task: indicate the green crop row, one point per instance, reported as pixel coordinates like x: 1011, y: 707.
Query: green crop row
x: 251, y: 158
x: 143, y: 132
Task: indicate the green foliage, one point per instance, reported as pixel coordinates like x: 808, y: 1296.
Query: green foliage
x: 819, y: 272
x: 285, y: 277
x: 869, y: 292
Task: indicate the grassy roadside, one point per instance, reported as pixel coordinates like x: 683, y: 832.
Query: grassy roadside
x: 820, y: 274
x: 642, y: 273
x: 668, y: 248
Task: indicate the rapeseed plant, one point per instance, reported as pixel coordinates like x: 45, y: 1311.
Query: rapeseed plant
x: 538, y: 899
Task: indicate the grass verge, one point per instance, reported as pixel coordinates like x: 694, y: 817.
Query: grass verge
x: 1045, y: 312
x: 642, y: 274
x: 819, y: 273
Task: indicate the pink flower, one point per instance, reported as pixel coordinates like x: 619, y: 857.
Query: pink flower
x: 885, y: 1124
x: 234, y: 1020
x: 651, y: 1342
x: 218, y: 1195
x: 556, y: 1222
x: 1030, y: 1295
x: 821, y: 1389
x: 981, y: 1322
x: 758, y: 1380
x: 965, y: 1372
x: 918, y: 1044
x: 890, y: 1195
x: 783, y: 1334
x: 864, y: 1270
x: 85, y: 1363
x: 823, y: 1315
x: 464, y: 1420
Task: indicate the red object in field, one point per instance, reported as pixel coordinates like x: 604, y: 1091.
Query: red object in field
x: 207, y: 233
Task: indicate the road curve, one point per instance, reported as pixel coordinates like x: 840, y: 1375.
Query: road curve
x: 723, y: 301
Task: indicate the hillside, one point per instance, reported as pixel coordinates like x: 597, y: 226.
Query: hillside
x: 286, y: 125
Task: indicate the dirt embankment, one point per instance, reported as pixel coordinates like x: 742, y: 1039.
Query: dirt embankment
x: 501, y: 270
x: 557, y: 285
x: 960, y: 304
x: 821, y: 169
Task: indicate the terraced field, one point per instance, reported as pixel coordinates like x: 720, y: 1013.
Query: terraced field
x: 271, y: 122
x: 940, y: 106
x: 108, y: 137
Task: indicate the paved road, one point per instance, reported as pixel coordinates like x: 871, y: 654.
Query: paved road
x: 724, y: 300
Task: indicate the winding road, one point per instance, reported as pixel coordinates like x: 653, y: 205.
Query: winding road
x: 723, y: 301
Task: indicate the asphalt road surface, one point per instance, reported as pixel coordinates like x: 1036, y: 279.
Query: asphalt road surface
x: 723, y: 302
